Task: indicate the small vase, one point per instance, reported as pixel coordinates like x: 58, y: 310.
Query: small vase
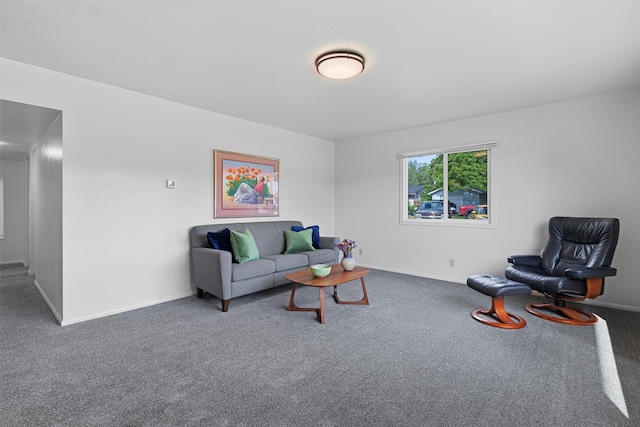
x: 348, y: 263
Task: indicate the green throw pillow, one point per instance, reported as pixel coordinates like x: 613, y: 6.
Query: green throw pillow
x: 244, y: 246
x: 298, y: 241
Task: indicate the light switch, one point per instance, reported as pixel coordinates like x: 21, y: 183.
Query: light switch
x: 171, y: 183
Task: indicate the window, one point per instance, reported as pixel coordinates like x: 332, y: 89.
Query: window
x: 456, y: 177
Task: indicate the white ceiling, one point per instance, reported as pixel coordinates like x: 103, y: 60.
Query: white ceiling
x: 426, y: 61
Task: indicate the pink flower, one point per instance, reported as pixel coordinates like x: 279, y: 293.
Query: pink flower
x: 347, y: 245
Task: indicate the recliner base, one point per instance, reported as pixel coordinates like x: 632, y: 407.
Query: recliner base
x: 571, y: 315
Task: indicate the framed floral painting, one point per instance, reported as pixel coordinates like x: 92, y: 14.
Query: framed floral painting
x: 244, y: 185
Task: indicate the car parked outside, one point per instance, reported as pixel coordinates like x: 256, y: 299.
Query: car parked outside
x: 453, y: 209
x: 466, y: 209
x: 433, y: 209
x: 480, y: 212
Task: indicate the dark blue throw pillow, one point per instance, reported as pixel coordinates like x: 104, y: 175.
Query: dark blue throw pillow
x: 220, y: 240
x: 315, y: 234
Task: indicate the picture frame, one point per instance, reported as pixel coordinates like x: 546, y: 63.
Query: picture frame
x: 245, y: 185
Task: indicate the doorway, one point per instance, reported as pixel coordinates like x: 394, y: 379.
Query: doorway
x: 32, y: 145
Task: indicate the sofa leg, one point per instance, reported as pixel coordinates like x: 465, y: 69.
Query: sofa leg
x: 199, y: 293
x: 225, y: 305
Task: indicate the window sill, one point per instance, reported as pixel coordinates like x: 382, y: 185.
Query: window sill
x: 452, y: 223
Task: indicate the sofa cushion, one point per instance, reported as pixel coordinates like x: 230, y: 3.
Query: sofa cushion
x: 321, y: 256
x: 220, y: 240
x: 287, y: 262
x: 252, y: 269
x: 269, y: 239
x: 315, y: 234
x: 298, y: 241
x: 244, y: 246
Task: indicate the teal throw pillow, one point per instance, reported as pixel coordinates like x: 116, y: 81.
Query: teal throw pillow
x: 244, y: 246
x: 315, y: 236
x: 299, y: 241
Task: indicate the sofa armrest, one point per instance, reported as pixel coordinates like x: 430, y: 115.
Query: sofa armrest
x: 590, y: 272
x: 212, y: 271
x: 525, y: 260
x: 330, y: 243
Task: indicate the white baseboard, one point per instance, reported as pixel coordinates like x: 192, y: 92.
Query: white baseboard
x: 411, y: 273
x: 595, y: 302
x: 190, y: 293
x: 46, y: 299
x: 599, y: 303
x: 13, y: 262
x: 125, y: 309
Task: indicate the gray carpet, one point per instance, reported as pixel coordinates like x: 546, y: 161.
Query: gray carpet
x: 414, y: 357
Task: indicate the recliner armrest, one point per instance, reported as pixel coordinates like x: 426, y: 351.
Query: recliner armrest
x: 526, y: 260
x: 590, y: 272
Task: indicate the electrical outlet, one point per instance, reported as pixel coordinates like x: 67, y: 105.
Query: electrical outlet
x: 451, y: 262
x: 359, y: 251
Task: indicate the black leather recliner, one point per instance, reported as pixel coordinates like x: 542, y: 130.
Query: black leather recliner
x: 572, y: 266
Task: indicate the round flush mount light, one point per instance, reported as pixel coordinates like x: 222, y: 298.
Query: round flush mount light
x: 340, y: 65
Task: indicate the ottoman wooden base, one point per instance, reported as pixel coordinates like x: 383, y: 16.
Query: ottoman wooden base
x: 497, y: 288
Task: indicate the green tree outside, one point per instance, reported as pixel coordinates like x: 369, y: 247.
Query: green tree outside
x: 418, y: 174
x: 465, y: 170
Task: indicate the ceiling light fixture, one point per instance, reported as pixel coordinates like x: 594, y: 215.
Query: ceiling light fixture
x: 340, y: 65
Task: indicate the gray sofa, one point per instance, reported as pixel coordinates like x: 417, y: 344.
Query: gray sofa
x: 215, y: 272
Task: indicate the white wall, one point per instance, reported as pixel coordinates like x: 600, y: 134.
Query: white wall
x: 125, y: 236
x: 46, y: 163
x: 575, y: 158
x: 13, y: 246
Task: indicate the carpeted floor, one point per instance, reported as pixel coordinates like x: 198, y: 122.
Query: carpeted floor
x: 414, y: 357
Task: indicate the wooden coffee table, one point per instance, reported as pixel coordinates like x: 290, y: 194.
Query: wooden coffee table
x: 337, y: 277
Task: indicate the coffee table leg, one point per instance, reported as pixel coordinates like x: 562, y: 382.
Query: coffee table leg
x: 294, y: 307
x: 321, y: 311
x: 363, y: 301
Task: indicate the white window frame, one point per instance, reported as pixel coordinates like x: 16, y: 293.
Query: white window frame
x: 1, y: 207
x: 446, y: 221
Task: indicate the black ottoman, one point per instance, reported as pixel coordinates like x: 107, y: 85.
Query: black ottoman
x: 497, y: 288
